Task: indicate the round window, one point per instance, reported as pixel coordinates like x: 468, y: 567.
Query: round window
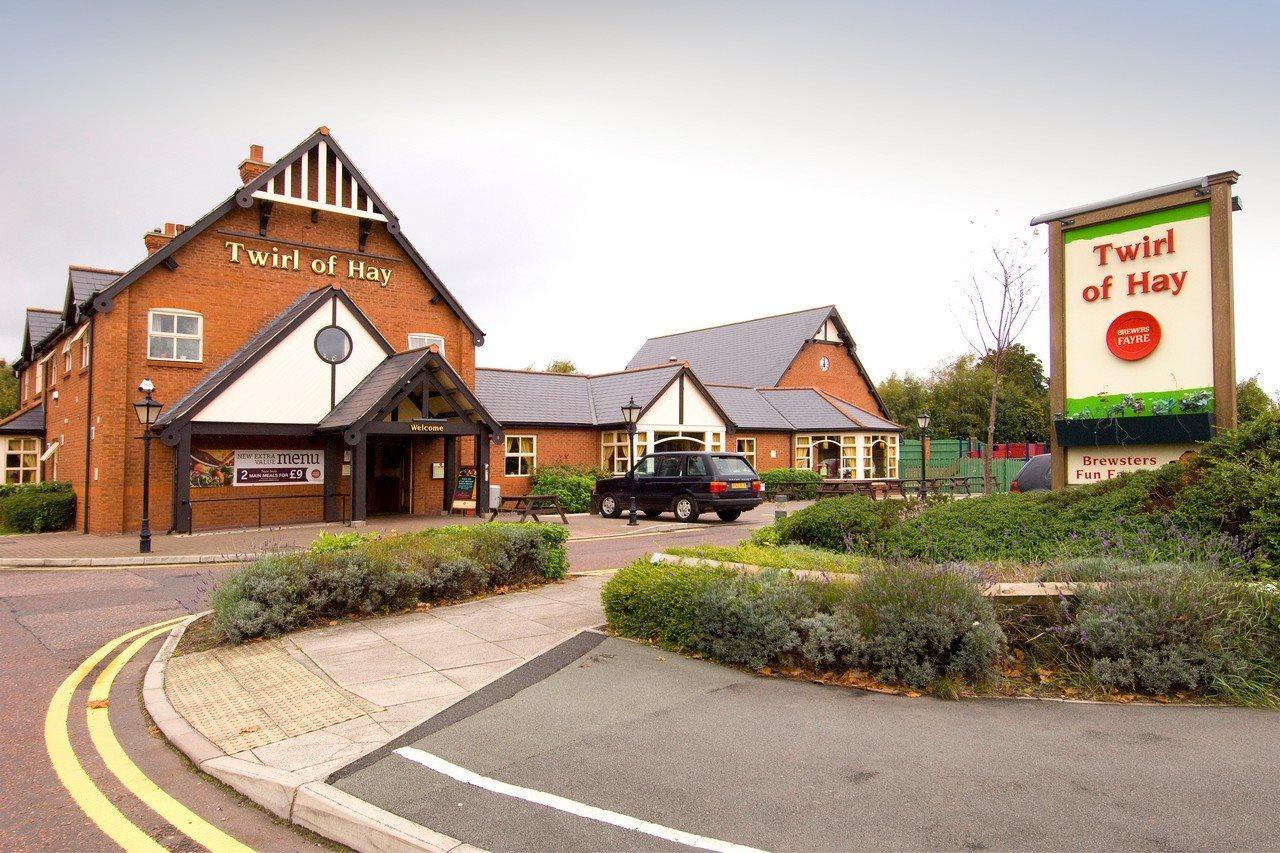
x: 333, y: 344
x: 824, y: 363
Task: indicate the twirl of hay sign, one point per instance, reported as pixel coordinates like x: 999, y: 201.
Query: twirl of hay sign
x: 1142, y: 352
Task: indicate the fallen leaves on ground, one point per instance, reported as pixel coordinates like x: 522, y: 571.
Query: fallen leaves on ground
x: 97, y: 704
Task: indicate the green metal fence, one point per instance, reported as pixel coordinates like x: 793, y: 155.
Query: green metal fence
x: 949, y: 458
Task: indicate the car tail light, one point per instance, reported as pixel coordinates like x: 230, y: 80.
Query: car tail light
x: 757, y: 486
x: 717, y: 487
x: 1015, y: 487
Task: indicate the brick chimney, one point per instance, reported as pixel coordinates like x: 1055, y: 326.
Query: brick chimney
x: 253, y: 165
x: 160, y: 237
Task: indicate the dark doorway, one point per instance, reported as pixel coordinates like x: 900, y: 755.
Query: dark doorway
x: 390, y: 475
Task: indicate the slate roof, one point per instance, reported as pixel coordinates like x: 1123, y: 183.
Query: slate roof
x: 41, y: 322
x: 611, y: 391
x: 747, y: 408
x: 806, y: 409
x: 859, y: 415
x: 370, y: 390
x: 211, y: 382
x: 524, y: 396
x: 752, y: 353
x: 86, y: 281
x: 30, y: 422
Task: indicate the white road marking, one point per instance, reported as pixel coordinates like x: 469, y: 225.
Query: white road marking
x: 564, y: 804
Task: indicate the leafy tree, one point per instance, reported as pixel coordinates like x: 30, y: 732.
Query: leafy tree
x: 561, y: 365
x: 957, y: 395
x: 8, y: 390
x: 1252, y: 402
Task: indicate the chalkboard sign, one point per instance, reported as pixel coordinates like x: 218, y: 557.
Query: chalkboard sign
x: 464, y: 491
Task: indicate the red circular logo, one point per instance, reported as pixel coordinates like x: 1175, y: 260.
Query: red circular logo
x: 1133, y: 335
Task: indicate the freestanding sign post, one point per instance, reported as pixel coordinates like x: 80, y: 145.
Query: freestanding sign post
x: 1141, y: 335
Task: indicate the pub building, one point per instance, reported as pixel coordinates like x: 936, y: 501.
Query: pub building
x: 312, y: 366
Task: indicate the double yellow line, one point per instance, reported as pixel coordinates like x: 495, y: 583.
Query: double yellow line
x: 92, y: 801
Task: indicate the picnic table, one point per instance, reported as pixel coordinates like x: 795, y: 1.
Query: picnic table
x: 873, y: 489
x: 953, y: 484
x: 529, y: 505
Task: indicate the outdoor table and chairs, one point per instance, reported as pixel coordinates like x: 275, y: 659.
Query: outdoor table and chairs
x: 529, y: 505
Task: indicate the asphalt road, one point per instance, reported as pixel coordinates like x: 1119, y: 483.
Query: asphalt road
x: 52, y: 620
x: 785, y: 765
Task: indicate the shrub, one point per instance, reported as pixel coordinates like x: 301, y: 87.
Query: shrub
x: 345, y: 574
x: 795, y: 483
x: 1170, y: 628
x: 657, y: 602
x: 328, y: 543
x: 37, y: 507
x: 921, y: 624
x: 852, y: 521
x: 572, y: 484
x: 751, y: 619
x: 792, y: 557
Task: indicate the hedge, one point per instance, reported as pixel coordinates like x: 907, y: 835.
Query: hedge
x: 795, y: 483
x: 1222, y: 507
x: 573, y: 485
x: 349, y: 575
x: 37, y: 507
x: 903, y: 624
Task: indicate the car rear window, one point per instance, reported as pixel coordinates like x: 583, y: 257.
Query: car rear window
x: 732, y: 466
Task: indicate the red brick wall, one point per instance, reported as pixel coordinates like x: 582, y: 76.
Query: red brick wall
x: 777, y: 442
x: 841, y: 379
x: 236, y: 300
x: 556, y: 446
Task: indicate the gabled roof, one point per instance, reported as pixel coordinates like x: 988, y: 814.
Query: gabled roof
x: 394, y: 379
x: 82, y: 284
x: 41, y: 323
x: 240, y: 360
x: 611, y: 391
x: 245, y: 197
x: 747, y: 409
x: 859, y: 415
x: 26, y: 422
x: 753, y: 353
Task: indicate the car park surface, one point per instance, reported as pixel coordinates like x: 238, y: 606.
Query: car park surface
x: 786, y: 765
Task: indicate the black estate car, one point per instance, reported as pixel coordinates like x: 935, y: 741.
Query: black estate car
x: 687, y: 484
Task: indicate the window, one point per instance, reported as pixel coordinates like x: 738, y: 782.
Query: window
x: 418, y: 340
x: 22, y: 460
x: 731, y: 466
x: 832, y: 456
x: 747, y: 447
x: 615, y: 447
x: 522, y: 451
x: 66, y: 356
x: 647, y: 468
x: 696, y: 466
x: 880, y: 456
x: 26, y: 384
x: 84, y: 352
x: 175, y: 335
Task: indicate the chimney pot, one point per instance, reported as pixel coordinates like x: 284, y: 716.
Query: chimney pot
x: 158, y: 238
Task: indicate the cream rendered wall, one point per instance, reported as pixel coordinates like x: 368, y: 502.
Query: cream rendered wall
x: 698, y: 412
x: 290, y: 384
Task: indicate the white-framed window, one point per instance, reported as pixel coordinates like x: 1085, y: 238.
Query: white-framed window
x: 832, y: 456
x: 66, y: 356
x: 84, y: 351
x: 42, y: 374
x: 688, y: 440
x: 747, y: 447
x: 615, y: 449
x: 26, y: 384
x: 175, y: 335
x: 522, y: 455
x: 880, y: 456
x: 418, y: 340
x: 21, y: 460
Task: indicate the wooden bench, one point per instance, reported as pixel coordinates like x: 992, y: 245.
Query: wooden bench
x: 529, y: 505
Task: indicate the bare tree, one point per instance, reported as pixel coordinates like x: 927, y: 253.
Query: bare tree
x: 1001, y: 299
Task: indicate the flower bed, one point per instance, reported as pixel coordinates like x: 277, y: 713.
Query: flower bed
x: 354, y: 574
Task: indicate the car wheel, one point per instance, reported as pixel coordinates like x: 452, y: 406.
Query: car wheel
x: 652, y: 513
x: 609, y: 507
x: 728, y: 514
x: 686, y: 508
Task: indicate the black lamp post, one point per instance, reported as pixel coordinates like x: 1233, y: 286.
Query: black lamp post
x: 922, y: 420
x: 147, y: 411
x: 630, y: 413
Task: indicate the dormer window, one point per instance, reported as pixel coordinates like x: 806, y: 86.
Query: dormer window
x: 175, y: 335
x: 418, y: 340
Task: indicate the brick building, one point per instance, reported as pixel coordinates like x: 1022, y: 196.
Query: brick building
x: 311, y: 362
x: 787, y: 392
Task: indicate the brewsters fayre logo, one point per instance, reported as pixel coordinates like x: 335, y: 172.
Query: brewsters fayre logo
x: 292, y: 260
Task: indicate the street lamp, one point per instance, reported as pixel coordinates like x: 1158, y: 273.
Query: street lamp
x: 147, y: 411
x: 630, y: 413
x: 922, y: 421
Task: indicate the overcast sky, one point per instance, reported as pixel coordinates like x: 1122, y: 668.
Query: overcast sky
x: 585, y: 175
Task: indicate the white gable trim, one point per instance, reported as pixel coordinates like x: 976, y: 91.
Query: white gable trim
x: 290, y: 383
x: 699, y: 412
